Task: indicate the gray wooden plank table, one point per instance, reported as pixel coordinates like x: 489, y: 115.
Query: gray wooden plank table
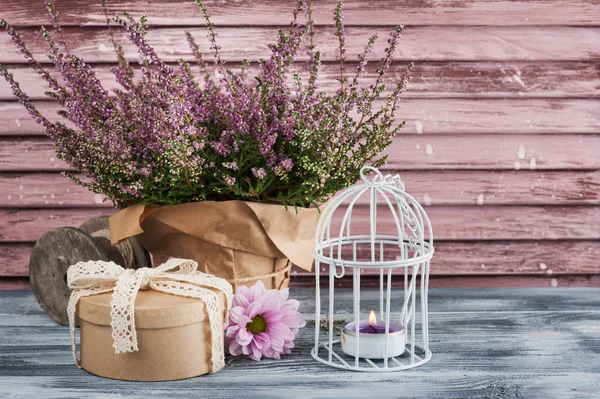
x: 486, y: 343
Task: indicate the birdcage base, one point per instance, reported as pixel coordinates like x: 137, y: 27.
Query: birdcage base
x: 345, y: 362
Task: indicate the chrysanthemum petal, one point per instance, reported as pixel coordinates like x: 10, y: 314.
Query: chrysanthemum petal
x: 283, y: 295
x: 237, y: 315
x: 291, y: 304
x: 232, y: 330
x: 255, y: 291
x: 243, y: 337
x: 252, y: 310
x: 247, y: 349
x: 281, y: 330
x: 235, y: 348
x: 240, y: 300
x: 256, y: 353
x: 264, y: 339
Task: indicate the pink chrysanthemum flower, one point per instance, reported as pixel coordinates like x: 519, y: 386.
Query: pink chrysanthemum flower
x: 262, y: 322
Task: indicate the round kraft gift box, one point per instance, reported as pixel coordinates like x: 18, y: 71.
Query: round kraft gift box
x: 173, y: 335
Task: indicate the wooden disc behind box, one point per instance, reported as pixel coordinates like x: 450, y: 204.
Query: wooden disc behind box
x: 101, y: 224
x: 50, y: 258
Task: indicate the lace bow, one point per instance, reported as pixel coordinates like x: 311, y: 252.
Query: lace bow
x: 176, y: 276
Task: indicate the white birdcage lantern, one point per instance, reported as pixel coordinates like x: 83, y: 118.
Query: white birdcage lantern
x: 401, y: 246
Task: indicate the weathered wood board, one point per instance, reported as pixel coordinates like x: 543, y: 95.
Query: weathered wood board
x: 500, y: 79
x: 423, y: 116
x: 492, y: 343
x: 407, y: 152
x: 451, y: 222
x: 265, y: 12
x: 17, y: 283
x: 453, y: 258
x: 29, y: 225
x: 515, y: 187
x: 419, y: 43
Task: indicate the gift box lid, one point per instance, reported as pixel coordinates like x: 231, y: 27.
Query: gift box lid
x: 153, y: 310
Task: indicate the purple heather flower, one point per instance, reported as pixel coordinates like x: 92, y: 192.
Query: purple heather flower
x: 286, y: 164
x: 229, y: 180
x: 199, y: 145
x: 231, y: 165
x: 259, y: 173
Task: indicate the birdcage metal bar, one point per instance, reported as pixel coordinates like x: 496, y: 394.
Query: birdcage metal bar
x: 317, y: 304
x: 387, y: 316
x: 356, y: 300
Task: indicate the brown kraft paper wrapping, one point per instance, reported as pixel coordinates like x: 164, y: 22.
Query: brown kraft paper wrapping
x: 173, y: 335
x: 239, y: 241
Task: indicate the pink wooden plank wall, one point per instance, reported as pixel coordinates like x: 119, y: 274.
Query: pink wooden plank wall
x: 502, y: 142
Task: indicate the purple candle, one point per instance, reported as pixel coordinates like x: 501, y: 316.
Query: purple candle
x: 370, y: 342
x: 373, y: 326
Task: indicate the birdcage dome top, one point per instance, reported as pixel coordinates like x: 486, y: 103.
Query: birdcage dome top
x: 374, y: 223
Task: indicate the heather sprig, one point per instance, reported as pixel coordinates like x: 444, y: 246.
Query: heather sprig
x: 340, y: 32
x: 170, y: 136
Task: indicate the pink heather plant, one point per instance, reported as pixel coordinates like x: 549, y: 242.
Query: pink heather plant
x: 262, y: 322
x: 168, y: 137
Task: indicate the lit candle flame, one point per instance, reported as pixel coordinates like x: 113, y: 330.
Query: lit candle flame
x: 372, y: 319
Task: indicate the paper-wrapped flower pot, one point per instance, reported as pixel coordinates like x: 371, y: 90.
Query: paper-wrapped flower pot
x: 242, y: 242
x: 173, y: 335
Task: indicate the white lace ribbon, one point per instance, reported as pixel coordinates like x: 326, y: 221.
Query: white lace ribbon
x: 176, y: 276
